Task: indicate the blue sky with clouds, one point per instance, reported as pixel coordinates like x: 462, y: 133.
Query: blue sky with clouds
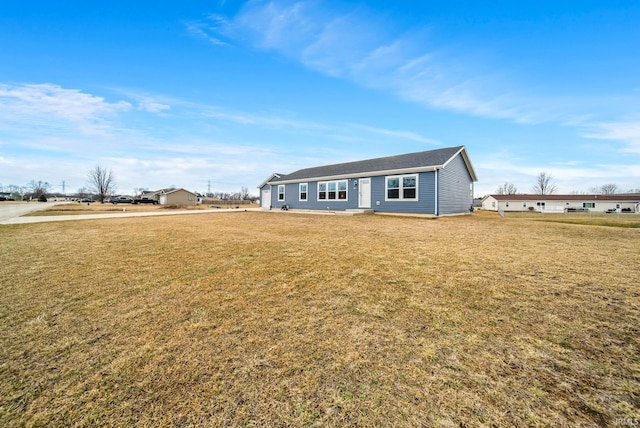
x: 223, y: 93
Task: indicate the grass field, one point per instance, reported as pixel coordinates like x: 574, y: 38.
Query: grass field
x: 274, y: 319
x: 74, y: 208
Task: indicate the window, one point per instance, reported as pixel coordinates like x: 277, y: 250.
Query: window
x: 588, y: 205
x: 402, y: 188
x: 303, y: 191
x: 524, y: 205
x: 322, y: 191
x: 507, y: 204
x: 281, y: 192
x: 333, y: 190
x: 342, y: 190
x: 541, y: 205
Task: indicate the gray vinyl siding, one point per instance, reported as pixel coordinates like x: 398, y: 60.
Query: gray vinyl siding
x: 454, y: 192
x: 425, y: 203
x: 292, y: 198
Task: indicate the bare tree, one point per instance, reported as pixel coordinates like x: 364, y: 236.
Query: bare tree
x: 17, y: 191
x: 82, y: 193
x: 244, y: 193
x: 101, y: 182
x: 37, y: 189
x: 544, y: 184
x: 507, y: 189
x: 608, y: 189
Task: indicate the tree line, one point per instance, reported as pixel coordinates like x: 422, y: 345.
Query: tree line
x: 101, y: 184
x: 545, y: 185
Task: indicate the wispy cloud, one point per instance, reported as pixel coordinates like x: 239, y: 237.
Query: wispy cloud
x: 153, y: 106
x: 627, y: 131
x: 357, y: 45
x: 404, y: 135
x: 48, y: 104
x: 353, y: 43
x: 202, y: 30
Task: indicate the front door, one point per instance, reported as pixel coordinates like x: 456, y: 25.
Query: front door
x: 364, y: 193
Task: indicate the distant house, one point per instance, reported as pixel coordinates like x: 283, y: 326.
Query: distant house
x: 432, y: 182
x: 563, y: 203
x: 173, y: 196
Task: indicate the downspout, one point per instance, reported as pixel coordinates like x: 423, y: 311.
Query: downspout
x: 436, y: 207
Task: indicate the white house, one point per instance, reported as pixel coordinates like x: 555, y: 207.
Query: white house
x: 563, y: 203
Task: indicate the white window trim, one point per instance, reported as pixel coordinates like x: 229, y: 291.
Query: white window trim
x: 337, y: 191
x: 300, y: 192
x: 284, y: 194
x: 400, y: 189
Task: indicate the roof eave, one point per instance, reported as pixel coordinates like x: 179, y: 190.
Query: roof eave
x: 356, y: 175
x: 268, y: 180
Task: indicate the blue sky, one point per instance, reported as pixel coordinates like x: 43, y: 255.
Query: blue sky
x: 223, y: 93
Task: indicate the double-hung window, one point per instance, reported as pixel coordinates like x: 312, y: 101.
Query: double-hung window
x: 332, y: 190
x: 303, y: 187
x: 402, y: 187
x: 281, y: 192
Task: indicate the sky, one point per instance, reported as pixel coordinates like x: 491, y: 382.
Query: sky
x: 217, y: 95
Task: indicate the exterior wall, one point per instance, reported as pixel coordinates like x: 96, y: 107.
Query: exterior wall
x: 292, y: 197
x: 455, y: 192
x: 181, y: 197
x: 491, y: 204
x: 425, y: 203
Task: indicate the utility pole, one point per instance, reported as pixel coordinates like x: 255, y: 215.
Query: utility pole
x: 209, y: 188
x: 64, y: 187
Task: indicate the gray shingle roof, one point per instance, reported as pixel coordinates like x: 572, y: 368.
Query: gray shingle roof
x: 431, y: 158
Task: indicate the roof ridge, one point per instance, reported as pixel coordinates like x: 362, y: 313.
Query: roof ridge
x: 426, y: 158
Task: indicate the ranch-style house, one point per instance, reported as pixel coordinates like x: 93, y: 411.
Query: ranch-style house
x: 438, y: 182
x: 172, y: 196
x: 623, y: 203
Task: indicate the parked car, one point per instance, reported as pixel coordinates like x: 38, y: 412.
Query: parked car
x: 122, y: 200
x: 88, y: 200
x: 145, y: 200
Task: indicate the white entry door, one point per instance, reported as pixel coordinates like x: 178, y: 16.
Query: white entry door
x: 265, y: 198
x: 364, y: 193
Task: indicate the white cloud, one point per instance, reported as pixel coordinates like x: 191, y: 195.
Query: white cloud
x: 48, y: 104
x: 152, y: 106
x: 351, y: 42
x: 356, y: 45
x: 403, y: 135
x: 628, y: 132
x: 199, y: 30
x: 494, y: 169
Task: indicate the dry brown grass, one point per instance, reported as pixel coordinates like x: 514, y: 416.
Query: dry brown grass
x: 268, y: 319
x: 631, y: 220
x: 75, y: 208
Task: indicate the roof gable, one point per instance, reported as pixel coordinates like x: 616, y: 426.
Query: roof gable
x: 432, y: 159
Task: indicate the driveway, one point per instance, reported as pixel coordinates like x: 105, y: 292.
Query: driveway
x: 9, y: 210
x: 10, y: 213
